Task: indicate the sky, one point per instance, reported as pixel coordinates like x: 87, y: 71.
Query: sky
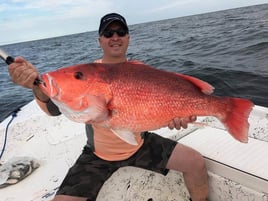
x: 26, y: 20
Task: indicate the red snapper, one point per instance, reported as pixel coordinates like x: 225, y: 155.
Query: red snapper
x: 130, y: 97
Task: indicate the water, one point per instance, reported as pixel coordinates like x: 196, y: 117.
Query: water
x: 228, y: 49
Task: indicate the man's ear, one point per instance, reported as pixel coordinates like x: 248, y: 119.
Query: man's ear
x: 99, y: 39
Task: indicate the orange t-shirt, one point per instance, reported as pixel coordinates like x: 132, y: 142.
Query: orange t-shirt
x: 110, y: 147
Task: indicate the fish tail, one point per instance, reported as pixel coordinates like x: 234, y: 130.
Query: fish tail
x: 236, y: 120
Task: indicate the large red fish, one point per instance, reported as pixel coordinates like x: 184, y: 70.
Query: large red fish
x: 130, y: 97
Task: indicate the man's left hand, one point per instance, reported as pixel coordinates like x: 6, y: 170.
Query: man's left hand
x: 179, y: 123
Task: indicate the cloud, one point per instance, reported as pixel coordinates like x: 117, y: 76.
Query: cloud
x: 64, y: 8
x: 45, y: 4
x: 172, y: 5
x: 50, y: 16
x: 34, y: 19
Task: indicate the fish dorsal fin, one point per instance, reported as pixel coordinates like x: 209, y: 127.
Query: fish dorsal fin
x: 205, y: 87
x: 126, y: 136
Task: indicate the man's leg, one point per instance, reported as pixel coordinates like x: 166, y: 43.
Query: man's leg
x: 192, y: 165
x: 85, y: 178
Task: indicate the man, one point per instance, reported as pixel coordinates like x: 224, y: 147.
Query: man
x: 105, y: 153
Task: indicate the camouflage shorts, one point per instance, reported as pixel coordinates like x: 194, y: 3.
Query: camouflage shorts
x: 89, y: 173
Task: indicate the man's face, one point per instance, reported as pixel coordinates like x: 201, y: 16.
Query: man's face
x: 115, y: 45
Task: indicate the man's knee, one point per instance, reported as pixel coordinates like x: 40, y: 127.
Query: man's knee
x: 197, y: 161
x: 184, y: 159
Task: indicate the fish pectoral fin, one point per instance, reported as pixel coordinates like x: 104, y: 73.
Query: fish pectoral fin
x: 97, y: 108
x: 126, y: 136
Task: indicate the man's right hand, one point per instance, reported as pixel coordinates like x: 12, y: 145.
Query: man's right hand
x: 23, y: 72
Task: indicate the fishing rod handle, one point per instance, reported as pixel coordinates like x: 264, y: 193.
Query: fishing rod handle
x: 9, y: 60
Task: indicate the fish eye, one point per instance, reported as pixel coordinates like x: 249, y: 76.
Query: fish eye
x: 79, y: 75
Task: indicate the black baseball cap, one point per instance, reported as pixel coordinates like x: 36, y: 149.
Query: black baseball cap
x: 109, y: 18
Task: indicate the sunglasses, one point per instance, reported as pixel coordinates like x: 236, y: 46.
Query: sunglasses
x: 110, y: 32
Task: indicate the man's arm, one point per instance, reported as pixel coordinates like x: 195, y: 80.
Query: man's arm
x: 24, y: 73
x: 45, y: 102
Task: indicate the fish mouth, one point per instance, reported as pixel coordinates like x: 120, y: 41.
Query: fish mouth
x: 48, y: 85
